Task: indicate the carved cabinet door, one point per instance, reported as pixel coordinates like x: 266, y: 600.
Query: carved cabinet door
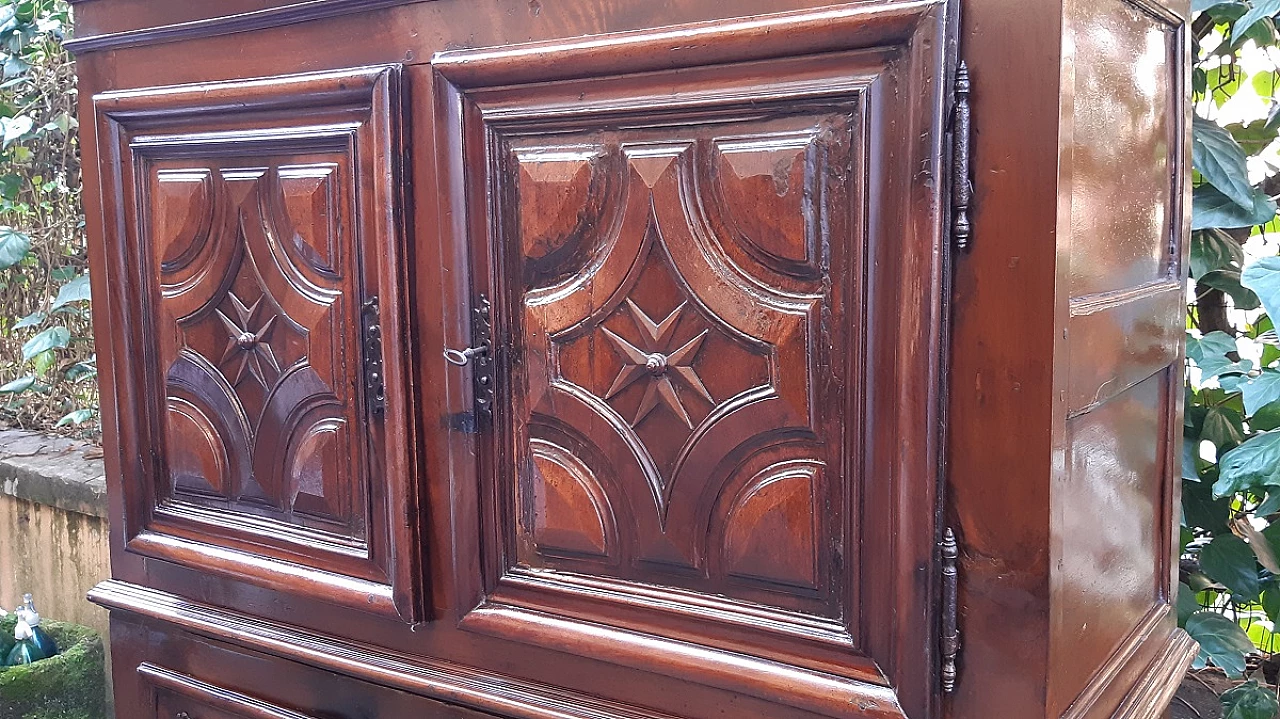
x: 254, y: 295
x: 705, y: 304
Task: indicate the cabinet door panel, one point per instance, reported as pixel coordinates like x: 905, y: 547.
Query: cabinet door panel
x: 702, y: 282
x: 665, y: 402
x: 256, y: 266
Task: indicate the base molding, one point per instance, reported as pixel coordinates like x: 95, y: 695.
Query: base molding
x: 1127, y: 687
x: 442, y: 681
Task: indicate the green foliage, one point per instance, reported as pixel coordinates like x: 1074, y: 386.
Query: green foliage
x: 46, y: 353
x: 1229, y: 596
x: 1250, y: 701
x: 1219, y: 158
x: 1222, y: 641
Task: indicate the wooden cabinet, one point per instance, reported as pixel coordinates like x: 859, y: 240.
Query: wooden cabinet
x: 645, y: 360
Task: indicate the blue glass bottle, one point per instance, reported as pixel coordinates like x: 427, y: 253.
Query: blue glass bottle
x: 27, y: 613
x: 26, y: 651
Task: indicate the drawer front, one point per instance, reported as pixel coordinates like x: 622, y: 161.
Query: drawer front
x: 178, y: 696
x: 162, y: 671
x: 253, y: 244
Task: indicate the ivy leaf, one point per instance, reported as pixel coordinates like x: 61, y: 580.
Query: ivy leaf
x: 1229, y: 561
x: 1214, y: 249
x: 1186, y: 604
x: 15, y: 66
x: 77, y: 417
x: 1250, y: 701
x: 1263, y: 277
x: 1222, y: 641
x: 1202, y: 510
x: 17, y: 386
x: 1256, y: 463
x: 1260, y: 9
x: 1217, y: 156
x: 81, y: 370
x: 14, y: 246
x: 1190, y: 453
x: 1271, y: 604
x: 1211, y: 208
x: 1201, y: 5
x: 16, y: 127
x: 1257, y: 136
x: 1269, y: 506
x: 1224, y: 427
x: 32, y: 320
x: 1261, y: 390
x: 50, y: 339
x: 77, y: 290
x: 1229, y: 282
x: 1224, y: 81
x: 1210, y: 352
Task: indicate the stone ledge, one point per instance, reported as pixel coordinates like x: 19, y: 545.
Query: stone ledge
x: 53, y: 471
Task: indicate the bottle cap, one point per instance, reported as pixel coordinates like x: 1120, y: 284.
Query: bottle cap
x: 27, y: 612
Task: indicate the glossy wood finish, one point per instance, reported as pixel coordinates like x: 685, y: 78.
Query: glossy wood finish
x: 1125, y: 283
x: 252, y: 250
x: 713, y: 245
x: 1066, y: 527
x: 672, y: 293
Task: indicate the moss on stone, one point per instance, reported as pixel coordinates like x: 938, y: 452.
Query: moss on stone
x: 71, y: 685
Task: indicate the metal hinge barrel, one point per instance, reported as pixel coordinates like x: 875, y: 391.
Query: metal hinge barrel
x: 374, y: 382
x: 961, y: 175
x: 950, y: 639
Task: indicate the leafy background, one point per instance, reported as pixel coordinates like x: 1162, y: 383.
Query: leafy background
x: 47, y: 368
x: 1229, y: 593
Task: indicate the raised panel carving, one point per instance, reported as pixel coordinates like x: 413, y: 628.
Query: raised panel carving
x: 668, y: 359
x: 771, y: 528
x: 566, y: 513
x: 770, y: 189
x: 260, y: 252
x: 263, y: 344
x: 710, y: 263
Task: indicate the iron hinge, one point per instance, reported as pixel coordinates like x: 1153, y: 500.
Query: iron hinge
x: 374, y: 382
x: 950, y: 639
x: 479, y: 357
x: 961, y: 174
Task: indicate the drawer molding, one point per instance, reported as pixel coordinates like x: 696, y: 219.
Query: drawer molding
x: 214, y: 696
x: 431, y: 678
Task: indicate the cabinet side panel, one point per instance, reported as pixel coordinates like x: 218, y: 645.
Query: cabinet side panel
x: 1123, y: 145
x: 1123, y: 152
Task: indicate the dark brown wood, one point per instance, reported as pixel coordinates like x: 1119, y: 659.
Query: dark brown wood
x: 602, y: 359
x: 253, y: 249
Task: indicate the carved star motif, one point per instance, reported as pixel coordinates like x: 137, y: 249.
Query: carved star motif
x: 247, y: 349
x: 657, y: 362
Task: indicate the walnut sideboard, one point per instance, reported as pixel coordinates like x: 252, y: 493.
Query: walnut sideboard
x: 639, y: 359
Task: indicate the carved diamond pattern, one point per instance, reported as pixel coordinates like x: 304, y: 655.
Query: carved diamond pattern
x: 657, y: 361
x: 249, y: 348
